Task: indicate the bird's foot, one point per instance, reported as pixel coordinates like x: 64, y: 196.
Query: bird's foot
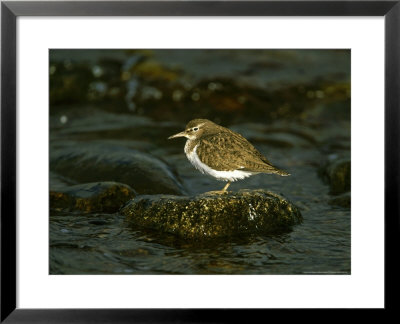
x: 217, y: 192
x: 220, y: 192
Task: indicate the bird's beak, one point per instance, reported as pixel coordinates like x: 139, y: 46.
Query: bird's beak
x: 181, y: 134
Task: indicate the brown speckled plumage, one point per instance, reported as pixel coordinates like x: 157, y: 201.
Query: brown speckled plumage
x: 224, y: 150
x: 222, y: 153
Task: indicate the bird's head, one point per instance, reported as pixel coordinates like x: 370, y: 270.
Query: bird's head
x: 196, y: 128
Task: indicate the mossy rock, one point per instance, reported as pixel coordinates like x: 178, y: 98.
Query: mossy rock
x: 105, y: 197
x: 338, y: 174
x: 211, y: 215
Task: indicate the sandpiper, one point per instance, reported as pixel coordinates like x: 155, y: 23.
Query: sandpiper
x: 222, y: 153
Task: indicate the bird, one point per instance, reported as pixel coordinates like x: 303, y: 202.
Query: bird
x: 222, y: 153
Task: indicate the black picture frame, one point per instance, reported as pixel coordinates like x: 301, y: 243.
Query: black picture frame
x: 11, y: 10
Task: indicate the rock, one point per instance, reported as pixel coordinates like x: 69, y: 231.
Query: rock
x: 211, y: 215
x: 94, y: 161
x: 57, y: 181
x: 338, y: 174
x: 279, y: 134
x: 106, y: 197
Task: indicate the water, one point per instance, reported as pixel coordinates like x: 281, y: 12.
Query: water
x: 294, y: 106
x: 103, y: 244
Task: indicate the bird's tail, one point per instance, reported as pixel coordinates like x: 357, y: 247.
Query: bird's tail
x: 269, y: 168
x: 282, y: 173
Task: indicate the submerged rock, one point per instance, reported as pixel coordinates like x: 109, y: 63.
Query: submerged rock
x: 93, y: 161
x: 106, y: 197
x: 343, y: 200
x: 214, y: 215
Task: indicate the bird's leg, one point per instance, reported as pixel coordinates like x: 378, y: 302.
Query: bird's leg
x: 226, y: 186
x: 219, y: 192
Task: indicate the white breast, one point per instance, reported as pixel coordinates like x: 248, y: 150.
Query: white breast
x: 219, y: 175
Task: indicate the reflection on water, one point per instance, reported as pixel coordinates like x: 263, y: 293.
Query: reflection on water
x: 293, y: 105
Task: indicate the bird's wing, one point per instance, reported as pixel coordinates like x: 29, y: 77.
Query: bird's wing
x: 232, y: 152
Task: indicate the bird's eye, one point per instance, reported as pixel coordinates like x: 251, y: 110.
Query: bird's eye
x: 196, y: 129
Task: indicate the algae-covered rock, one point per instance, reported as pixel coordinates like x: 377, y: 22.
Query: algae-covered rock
x: 213, y: 215
x: 93, y: 161
x: 338, y: 175
x: 107, y: 197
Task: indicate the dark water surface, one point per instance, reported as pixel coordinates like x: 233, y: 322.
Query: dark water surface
x: 294, y: 106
